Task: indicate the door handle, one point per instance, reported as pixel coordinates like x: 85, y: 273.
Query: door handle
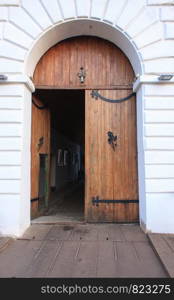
x: 112, y: 140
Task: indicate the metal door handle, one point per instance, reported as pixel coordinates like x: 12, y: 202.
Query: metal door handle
x: 112, y: 140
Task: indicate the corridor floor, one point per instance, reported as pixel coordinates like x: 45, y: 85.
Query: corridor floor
x: 82, y: 250
x: 66, y: 206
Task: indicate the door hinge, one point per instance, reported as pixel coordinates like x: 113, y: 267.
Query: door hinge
x: 95, y: 94
x: 96, y: 201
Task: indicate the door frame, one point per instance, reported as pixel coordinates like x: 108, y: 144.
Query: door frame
x: 118, y: 87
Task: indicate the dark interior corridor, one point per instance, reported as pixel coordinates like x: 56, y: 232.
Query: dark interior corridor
x: 67, y: 169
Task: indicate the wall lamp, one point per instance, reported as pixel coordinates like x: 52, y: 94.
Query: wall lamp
x: 165, y: 77
x: 3, y: 77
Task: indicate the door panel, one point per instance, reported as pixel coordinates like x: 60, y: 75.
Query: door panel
x: 41, y: 122
x: 105, y: 65
x: 111, y: 175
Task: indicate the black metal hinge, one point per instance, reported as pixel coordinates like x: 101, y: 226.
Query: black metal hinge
x: 95, y: 94
x: 96, y: 201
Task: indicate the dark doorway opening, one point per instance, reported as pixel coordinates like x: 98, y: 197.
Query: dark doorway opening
x: 67, y: 155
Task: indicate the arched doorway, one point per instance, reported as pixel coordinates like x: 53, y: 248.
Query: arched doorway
x: 92, y: 73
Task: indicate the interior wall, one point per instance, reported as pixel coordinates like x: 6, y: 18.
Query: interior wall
x: 66, y: 170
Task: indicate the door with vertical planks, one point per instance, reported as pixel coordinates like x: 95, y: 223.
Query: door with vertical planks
x: 111, y: 168
x: 111, y: 187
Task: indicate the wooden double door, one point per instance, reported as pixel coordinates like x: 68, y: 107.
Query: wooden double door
x: 111, y: 158
x: 111, y: 187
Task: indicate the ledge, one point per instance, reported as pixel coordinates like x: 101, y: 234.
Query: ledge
x: 143, y: 79
x: 10, y: 2
x: 149, y: 79
x: 20, y: 79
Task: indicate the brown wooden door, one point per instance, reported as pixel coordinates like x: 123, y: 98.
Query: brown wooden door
x: 111, y: 174
x: 40, y: 145
x: 106, y: 66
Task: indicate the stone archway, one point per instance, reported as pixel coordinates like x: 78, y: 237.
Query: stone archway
x: 91, y: 28
x: 83, y: 27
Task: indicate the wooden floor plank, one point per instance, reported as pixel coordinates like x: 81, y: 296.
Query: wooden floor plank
x: 149, y: 264
x: 43, y: 260
x: 103, y: 232
x: 164, y: 251
x: 133, y: 233
x: 106, y: 264
x: 59, y: 232
x: 36, y: 232
x: 91, y: 250
x: 86, y: 260
x: 5, y: 242
x: 64, y: 263
x: 17, y: 257
x: 91, y: 233
x: 115, y: 233
x: 127, y: 260
x: 169, y: 240
x: 86, y: 233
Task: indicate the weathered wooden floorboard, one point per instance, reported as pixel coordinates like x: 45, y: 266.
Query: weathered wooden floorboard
x: 17, y: 257
x: 106, y: 261
x: 164, y: 251
x: 85, y: 251
x: 133, y: 233
x: 103, y: 232
x: 36, y: 232
x: 85, y: 264
x: 5, y: 242
x: 43, y: 260
x: 115, y: 233
x: 149, y: 263
x: 64, y: 263
x: 86, y: 232
x: 169, y: 238
x: 60, y: 233
x: 127, y: 264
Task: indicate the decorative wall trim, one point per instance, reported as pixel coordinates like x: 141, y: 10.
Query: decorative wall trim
x: 10, y: 2
x: 22, y: 78
x: 149, y: 79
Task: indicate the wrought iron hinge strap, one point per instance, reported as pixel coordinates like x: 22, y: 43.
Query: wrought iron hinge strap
x: 38, y: 106
x: 95, y: 94
x: 97, y: 201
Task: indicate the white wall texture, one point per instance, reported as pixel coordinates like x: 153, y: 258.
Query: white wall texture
x: 144, y: 30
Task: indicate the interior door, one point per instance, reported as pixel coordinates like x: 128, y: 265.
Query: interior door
x: 111, y: 157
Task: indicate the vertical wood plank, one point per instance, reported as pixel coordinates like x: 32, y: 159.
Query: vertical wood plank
x: 105, y: 64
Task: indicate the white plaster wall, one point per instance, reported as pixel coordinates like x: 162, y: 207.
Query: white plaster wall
x: 159, y: 156
x: 144, y: 30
